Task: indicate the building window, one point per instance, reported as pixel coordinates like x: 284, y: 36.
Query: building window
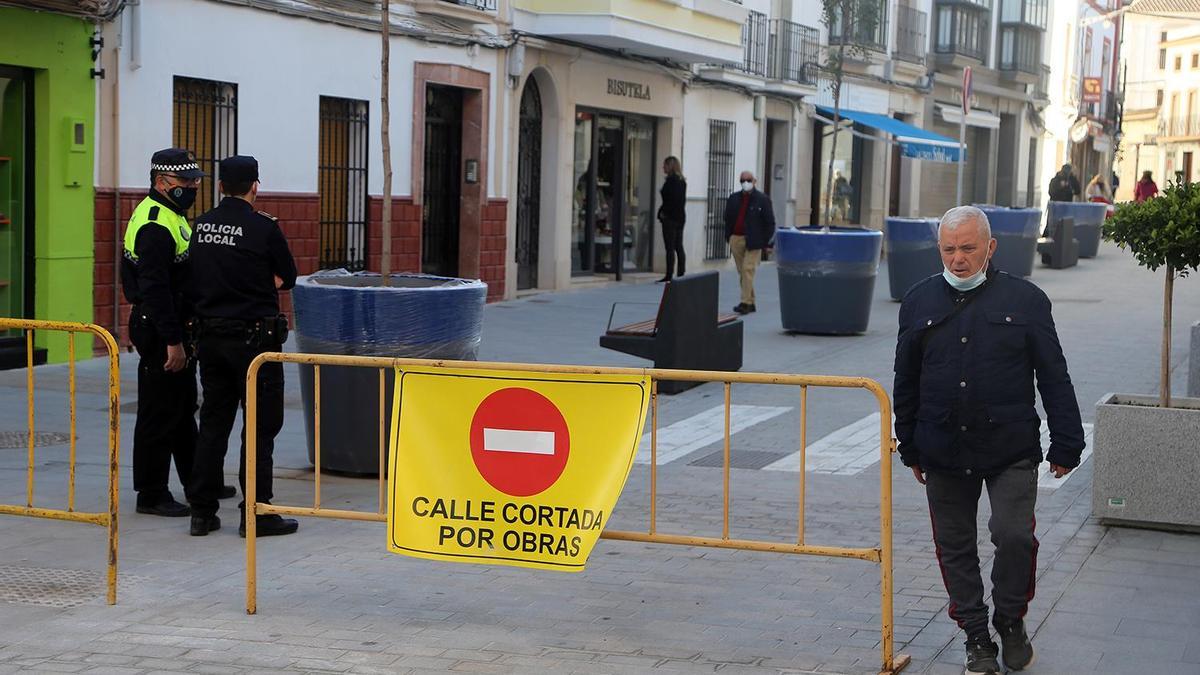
x: 720, y: 186
x: 754, y: 41
x: 1178, y: 63
x: 205, y: 122
x: 962, y: 28
x: 1162, y: 59
x: 1195, y: 60
x: 858, y: 28
x: 1028, y: 12
x: 1158, y: 99
x: 1021, y: 49
x: 342, y: 183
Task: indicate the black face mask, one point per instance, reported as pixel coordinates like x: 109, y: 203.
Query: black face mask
x: 183, y: 197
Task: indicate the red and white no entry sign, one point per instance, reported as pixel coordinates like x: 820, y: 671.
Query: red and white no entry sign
x: 519, y: 441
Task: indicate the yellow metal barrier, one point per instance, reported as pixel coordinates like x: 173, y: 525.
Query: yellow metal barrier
x: 104, y: 519
x: 881, y: 554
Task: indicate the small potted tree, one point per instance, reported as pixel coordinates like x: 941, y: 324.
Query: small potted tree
x: 827, y: 274
x: 1147, y: 452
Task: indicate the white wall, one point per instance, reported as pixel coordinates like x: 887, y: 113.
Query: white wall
x: 282, y: 65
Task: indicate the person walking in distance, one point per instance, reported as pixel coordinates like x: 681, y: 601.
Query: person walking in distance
x: 749, y: 228
x: 241, y: 260
x: 672, y: 214
x: 1064, y: 186
x: 1145, y: 188
x: 153, y: 272
x: 971, y: 343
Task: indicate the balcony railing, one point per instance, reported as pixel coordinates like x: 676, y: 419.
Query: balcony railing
x: 481, y: 5
x: 754, y: 41
x: 1178, y: 125
x: 794, y: 51
x: 856, y: 29
x: 962, y: 28
x: 911, y: 40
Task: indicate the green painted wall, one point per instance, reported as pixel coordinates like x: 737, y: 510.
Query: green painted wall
x: 56, y: 49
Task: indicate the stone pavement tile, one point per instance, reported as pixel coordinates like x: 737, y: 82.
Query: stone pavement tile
x: 113, y: 670
x: 1124, y: 664
x: 59, y: 667
x: 320, y: 665
x: 1158, y: 630
x: 478, y: 667
x: 427, y: 662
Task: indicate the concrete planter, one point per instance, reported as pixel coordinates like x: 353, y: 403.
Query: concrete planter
x: 417, y: 316
x: 1147, y: 462
x: 827, y: 278
x: 1016, y: 234
x: 1089, y: 218
x: 912, y: 252
x: 1194, y: 363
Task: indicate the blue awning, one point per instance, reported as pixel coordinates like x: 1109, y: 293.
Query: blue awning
x: 914, y: 142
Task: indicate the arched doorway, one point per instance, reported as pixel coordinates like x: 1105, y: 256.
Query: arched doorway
x: 529, y: 186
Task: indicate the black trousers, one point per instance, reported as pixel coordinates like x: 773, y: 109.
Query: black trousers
x: 673, y: 245
x: 166, y: 417
x: 953, y: 504
x: 224, y: 360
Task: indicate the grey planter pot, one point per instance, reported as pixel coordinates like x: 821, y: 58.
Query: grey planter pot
x: 1147, y: 462
x: 1194, y: 363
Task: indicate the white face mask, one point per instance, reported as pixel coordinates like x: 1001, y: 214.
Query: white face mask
x: 747, y: 185
x: 970, y: 283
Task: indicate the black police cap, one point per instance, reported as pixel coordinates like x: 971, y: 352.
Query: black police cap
x: 239, y: 169
x: 178, y: 161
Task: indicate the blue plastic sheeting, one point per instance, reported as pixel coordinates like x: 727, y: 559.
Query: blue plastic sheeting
x: 418, y: 316
x: 914, y: 142
x: 838, y: 245
x: 1023, y: 222
x: 910, y: 230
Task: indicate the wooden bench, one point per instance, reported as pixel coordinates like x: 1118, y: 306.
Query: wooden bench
x: 686, y: 333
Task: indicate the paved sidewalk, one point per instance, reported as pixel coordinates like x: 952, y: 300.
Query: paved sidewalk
x: 332, y: 600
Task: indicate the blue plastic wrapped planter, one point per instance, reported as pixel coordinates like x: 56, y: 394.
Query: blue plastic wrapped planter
x: 912, y: 252
x: 1089, y: 218
x: 1016, y: 233
x: 827, y: 278
x: 337, y: 312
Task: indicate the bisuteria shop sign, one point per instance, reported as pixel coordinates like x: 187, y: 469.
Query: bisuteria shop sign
x: 629, y: 89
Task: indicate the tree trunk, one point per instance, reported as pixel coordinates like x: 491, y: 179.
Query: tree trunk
x: 837, y: 110
x: 1165, y: 387
x: 385, y: 258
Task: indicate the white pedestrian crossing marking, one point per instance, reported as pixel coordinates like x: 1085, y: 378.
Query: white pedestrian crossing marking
x: 855, y: 447
x: 698, y: 431
x: 845, y: 452
x: 518, y: 440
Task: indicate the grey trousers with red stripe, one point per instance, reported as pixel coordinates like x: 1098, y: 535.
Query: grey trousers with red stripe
x: 953, y: 505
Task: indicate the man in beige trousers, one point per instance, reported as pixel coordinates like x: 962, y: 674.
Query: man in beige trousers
x: 749, y: 228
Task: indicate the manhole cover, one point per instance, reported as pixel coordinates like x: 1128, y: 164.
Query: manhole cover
x: 50, y: 587
x: 20, y: 439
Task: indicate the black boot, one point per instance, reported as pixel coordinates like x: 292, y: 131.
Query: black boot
x: 202, y: 525
x: 981, y: 656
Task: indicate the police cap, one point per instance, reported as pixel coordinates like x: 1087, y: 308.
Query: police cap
x: 178, y: 161
x: 239, y: 169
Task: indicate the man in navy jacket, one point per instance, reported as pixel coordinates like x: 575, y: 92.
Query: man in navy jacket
x: 971, y: 341
x: 749, y: 228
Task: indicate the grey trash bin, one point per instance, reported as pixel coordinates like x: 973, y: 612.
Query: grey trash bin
x: 417, y: 316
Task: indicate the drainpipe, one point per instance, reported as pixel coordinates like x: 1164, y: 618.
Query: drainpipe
x: 116, y: 174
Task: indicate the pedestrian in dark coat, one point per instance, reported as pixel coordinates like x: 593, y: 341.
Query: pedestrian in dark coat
x: 972, y: 341
x: 749, y: 228
x: 672, y: 214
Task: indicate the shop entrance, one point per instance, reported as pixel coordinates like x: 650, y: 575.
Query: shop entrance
x: 16, y: 152
x: 614, y: 204
x: 442, y: 189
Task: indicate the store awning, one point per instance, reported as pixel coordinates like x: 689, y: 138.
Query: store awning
x: 914, y: 142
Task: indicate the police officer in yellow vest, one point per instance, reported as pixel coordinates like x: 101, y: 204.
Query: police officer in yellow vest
x: 153, y: 274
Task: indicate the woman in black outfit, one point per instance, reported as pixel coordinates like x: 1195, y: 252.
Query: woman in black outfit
x: 672, y: 214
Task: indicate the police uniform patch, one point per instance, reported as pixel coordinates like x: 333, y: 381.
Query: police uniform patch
x: 267, y: 215
x: 185, y: 232
x: 153, y: 215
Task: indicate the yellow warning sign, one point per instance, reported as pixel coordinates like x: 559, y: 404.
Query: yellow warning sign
x: 509, y: 468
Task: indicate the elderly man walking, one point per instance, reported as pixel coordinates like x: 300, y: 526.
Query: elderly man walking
x: 749, y: 228
x: 972, y: 340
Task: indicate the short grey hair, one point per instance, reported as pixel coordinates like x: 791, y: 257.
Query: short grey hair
x: 965, y: 214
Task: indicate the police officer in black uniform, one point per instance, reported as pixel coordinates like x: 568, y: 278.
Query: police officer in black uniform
x: 240, y: 260
x: 153, y: 272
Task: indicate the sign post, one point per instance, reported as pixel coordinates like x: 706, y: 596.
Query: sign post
x: 962, y: 132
